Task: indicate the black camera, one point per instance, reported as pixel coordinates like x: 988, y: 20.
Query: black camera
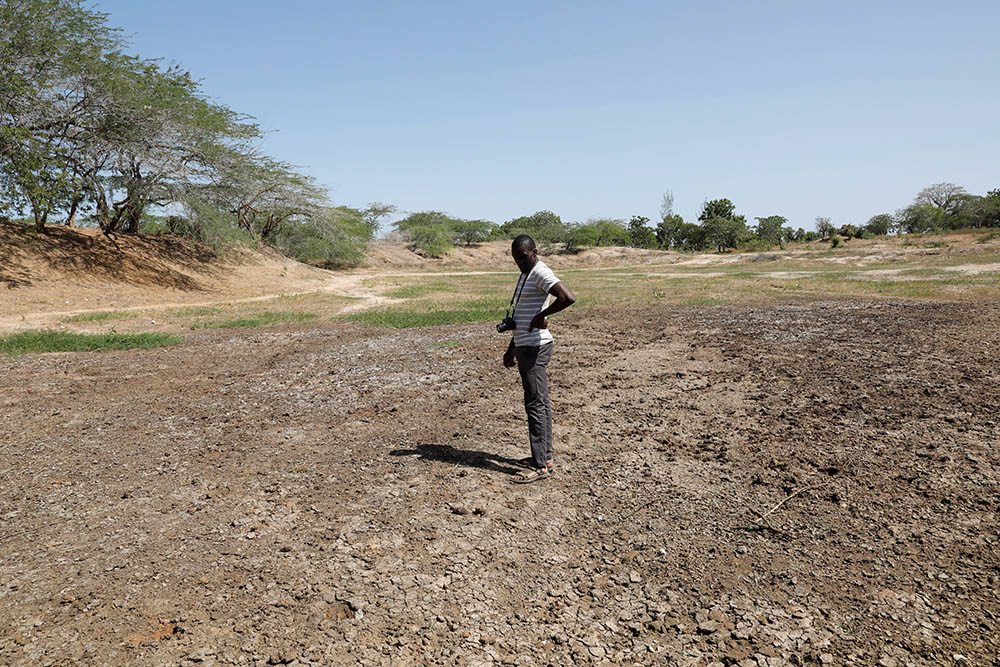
x: 506, y: 324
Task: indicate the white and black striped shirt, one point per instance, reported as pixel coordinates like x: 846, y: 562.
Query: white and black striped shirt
x: 534, y: 298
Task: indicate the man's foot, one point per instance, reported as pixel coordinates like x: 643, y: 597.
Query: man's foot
x: 532, y: 475
x: 529, y: 462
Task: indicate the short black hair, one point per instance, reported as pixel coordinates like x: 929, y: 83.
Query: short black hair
x: 523, y: 241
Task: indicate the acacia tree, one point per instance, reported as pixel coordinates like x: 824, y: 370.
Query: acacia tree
x: 50, y: 55
x: 373, y: 215
x: 173, y: 137
x: 80, y: 119
x: 257, y: 194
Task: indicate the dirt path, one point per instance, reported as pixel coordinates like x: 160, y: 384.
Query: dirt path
x: 349, y: 285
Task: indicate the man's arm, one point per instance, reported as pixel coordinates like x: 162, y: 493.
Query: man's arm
x: 564, y: 299
x: 509, y: 360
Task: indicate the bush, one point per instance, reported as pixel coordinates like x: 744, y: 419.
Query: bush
x: 333, y: 239
x: 431, y: 240
x: 835, y: 241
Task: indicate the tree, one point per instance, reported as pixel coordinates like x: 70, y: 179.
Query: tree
x: 724, y: 233
x: 719, y: 208
x: 938, y: 206
x: 82, y: 120
x: 640, y: 236
x: 691, y: 237
x: 988, y: 210
x: 543, y: 226
x: 472, y: 231
x: 668, y: 232
x: 944, y: 196
x: 50, y: 55
x: 599, y: 232
x: 880, y: 224
x: 373, y: 217
x: 333, y: 237
x: 723, y: 227
x: 431, y: 232
x: 920, y: 218
x: 666, y: 205
x: 769, y: 229
x: 824, y: 227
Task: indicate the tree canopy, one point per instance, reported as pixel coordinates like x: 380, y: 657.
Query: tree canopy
x: 87, y: 128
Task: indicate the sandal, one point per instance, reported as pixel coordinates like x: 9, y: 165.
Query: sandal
x: 529, y: 462
x: 532, y: 475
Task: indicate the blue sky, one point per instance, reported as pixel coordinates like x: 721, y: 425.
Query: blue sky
x: 594, y: 109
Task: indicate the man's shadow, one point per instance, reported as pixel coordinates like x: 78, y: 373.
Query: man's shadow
x: 463, y: 457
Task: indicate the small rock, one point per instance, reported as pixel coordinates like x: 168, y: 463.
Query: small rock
x: 708, y: 627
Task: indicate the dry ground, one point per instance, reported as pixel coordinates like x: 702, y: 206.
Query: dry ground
x: 790, y: 480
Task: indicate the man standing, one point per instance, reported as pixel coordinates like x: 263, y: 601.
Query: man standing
x: 531, y: 348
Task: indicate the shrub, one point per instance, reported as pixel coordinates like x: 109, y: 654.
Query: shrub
x: 431, y: 240
x: 835, y: 241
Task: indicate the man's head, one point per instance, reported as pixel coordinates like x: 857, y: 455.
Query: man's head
x: 523, y: 250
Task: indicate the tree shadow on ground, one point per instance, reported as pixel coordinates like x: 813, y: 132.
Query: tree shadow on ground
x: 464, y: 457
x: 133, y: 259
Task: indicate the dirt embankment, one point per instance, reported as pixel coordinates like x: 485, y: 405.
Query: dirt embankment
x: 46, y: 278
x: 71, y: 271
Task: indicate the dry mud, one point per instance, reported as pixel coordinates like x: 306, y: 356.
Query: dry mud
x: 805, y: 483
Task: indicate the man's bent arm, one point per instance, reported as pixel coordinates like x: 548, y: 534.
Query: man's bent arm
x: 564, y: 299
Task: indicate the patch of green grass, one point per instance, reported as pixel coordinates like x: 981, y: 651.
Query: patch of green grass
x: 704, y: 301
x: 194, y: 311
x: 420, y: 289
x: 260, y: 320
x: 30, y: 342
x: 406, y: 316
x: 101, y: 316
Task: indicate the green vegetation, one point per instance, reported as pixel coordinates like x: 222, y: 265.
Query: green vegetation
x: 483, y: 298
x: 265, y: 319
x: 401, y: 318
x: 61, y: 341
x: 102, y: 316
x: 92, y: 134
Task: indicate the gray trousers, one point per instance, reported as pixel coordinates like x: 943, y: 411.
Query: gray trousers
x: 531, y: 363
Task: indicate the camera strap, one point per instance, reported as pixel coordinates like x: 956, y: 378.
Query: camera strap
x: 516, y: 296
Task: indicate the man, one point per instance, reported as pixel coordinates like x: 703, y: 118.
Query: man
x: 531, y: 348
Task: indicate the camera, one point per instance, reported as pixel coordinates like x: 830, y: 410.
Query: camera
x: 506, y: 324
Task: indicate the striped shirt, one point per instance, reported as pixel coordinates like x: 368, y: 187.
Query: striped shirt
x: 534, y: 298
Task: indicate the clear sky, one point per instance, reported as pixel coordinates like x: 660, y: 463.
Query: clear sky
x: 495, y: 110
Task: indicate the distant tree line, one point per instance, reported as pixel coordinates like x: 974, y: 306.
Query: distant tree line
x: 89, y: 134
x: 719, y: 227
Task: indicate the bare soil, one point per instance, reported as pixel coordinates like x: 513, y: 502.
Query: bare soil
x: 809, y: 482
